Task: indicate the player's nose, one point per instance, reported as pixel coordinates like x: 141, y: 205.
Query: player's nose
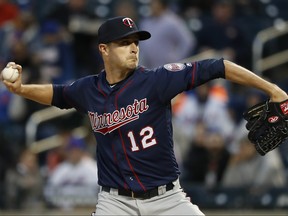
x: 134, y: 47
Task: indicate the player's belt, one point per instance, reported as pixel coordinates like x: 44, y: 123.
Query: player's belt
x: 140, y: 195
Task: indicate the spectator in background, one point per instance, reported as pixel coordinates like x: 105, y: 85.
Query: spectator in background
x: 74, y: 181
x: 248, y: 169
x: 172, y: 40
x: 221, y: 32
x: 208, y: 158
x: 53, y: 54
x: 24, y: 184
x: 17, y: 38
x: 126, y: 8
x: 14, y: 112
x: 209, y: 103
x: 196, y: 152
x: 203, y: 5
x: 81, y: 24
x: 22, y: 30
x: 237, y: 105
x: 8, y: 10
x: 7, y: 150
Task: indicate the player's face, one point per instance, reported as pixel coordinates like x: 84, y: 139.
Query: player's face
x: 124, y: 53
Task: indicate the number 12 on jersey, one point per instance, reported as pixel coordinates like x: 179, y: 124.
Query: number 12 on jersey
x: 147, y: 139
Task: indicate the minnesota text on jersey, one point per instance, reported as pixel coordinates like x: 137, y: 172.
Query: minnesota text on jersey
x: 108, y: 122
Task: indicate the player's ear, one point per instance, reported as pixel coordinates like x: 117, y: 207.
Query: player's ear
x: 103, y: 49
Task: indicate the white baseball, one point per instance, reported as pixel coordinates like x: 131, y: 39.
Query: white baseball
x: 10, y: 74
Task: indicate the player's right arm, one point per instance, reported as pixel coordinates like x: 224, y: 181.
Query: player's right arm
x: 41, y: 93
x: 243, y: 76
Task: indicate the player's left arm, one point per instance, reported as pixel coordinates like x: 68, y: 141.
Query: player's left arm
x: 243, y: 76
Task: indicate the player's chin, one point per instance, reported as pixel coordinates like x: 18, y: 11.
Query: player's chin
x: 132, y: 65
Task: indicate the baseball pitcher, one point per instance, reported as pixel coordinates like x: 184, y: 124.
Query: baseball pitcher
x: 129, y: 107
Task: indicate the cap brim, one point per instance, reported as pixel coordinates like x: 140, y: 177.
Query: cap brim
x: 143, y: 35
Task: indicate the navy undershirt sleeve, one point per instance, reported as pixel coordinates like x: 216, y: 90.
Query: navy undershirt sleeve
x: 59, y: 99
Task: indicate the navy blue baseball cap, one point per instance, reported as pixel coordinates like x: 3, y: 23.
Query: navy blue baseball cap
x: 119, y: 27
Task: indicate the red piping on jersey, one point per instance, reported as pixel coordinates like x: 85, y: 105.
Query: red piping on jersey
x: 100, y: 90
x: 114, y: 154
x: 193, y: 75
x: 128, y: 161
x: 126, y: 186
x: 122, y: 141
x: 120, y: 91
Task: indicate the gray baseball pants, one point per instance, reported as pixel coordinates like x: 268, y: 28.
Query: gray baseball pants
x: 172, y: 202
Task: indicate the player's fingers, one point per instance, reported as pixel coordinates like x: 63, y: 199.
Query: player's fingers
x: 10, y: 86
x: 18, y: 67
x: 10, y: 64
x: 7, y: 84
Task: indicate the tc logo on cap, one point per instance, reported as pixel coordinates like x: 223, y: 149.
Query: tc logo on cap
x: 128, y: 22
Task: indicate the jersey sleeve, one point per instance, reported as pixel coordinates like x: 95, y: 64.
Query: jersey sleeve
x: 175, y: 78
x: 68, y: 96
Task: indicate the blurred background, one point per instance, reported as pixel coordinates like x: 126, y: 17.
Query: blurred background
x: 47, y: 155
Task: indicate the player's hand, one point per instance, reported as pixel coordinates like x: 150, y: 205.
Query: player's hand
x: 14, y: 87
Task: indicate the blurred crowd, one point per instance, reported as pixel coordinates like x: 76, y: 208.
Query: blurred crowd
x: 55, y: 41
